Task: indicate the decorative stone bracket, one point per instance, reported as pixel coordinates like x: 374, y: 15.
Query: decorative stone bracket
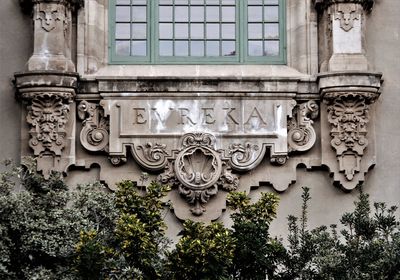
x: 348, y: 97
x: 48, y: 97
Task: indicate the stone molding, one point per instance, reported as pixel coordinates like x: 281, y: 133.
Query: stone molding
x: 27, y: 5
x: 321, y: 5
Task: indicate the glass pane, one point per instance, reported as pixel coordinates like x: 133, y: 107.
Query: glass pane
x: 122, y: 14
x: 181, y: 31
x: 139, y: 31
x: 197, y: 2
x: 212, y: 13
x: 254, y: 14
x: 271, y: 48
x: 255, y: 48
x: 165, y: 13
x: 165, y: 2
x: 139, y: 13
x: 228, y: 48
x: 271, y: 13
x: 122, y: 31
x: 212, y: 48
x: 228, y: 2
x: 123, y: 2
x: 228, y: 31
x: 271, y: 31
x: 197, y: 31
x: 212, y: 31
x: 181, y: 2
x: 255, y: 30
x: 139, y: 48
x: 197, y: 14
x: 181, y: 13
x: 166, y: 31
x: 271, y: 2
x: 166, y: 48
x: 181, y: 48
x: 122, y: 48
x: 212, y: 2
x: 139, y: 2
x: 255, y: 2
x: 197, y: 48
x: 228, y: 14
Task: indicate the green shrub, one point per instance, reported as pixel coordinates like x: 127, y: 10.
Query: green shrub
x: 203, y: 252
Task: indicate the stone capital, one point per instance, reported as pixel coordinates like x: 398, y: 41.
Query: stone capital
x: 27, y: 5
x: 321, y: 5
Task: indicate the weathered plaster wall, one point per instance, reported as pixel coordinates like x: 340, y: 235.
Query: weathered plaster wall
x: 15, y: 50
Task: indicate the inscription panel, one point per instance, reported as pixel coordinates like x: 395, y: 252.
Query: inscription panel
x: 147, y: 123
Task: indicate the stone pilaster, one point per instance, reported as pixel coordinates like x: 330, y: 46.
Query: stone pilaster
x: 48, y: 87
x: 341, y: 34
x: 347, y: 90
x: 52, y: 22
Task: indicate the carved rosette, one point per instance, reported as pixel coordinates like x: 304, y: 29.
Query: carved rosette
x: 198, y: 171
x: 301, y: 134
x: 94, y: 134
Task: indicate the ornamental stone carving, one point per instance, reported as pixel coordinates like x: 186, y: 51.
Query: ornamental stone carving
x: 347, y: 14
x: 301, y: 134
x: 198, y: 171
x: 348, y: 97
x: 94, y: 134
x: 48, y: 98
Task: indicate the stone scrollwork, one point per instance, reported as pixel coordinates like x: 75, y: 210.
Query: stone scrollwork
x: 153, y: 154
x: 94, y: 135
x: 243, y: 155
x: 348, y: 116
x: 199, y: 170
x: 301, y: 134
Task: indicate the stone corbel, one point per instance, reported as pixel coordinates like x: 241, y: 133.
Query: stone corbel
x: 348, y: 98
x: 48, y: 99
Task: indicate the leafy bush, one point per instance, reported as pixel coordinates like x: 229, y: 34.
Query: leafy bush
x: 49, y: 232
x: 368, y: 247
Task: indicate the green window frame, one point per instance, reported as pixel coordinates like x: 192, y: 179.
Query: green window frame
x: 144, y: 46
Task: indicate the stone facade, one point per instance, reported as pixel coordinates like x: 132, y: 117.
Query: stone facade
x: 207, y: 130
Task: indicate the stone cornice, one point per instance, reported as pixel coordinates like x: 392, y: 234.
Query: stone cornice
x: 321, y: 5
x: 26, y: 5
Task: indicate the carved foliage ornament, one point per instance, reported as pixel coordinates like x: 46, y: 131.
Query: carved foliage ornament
x: 348, y: 116
x: 47, y: 117
x: 199, y: 171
